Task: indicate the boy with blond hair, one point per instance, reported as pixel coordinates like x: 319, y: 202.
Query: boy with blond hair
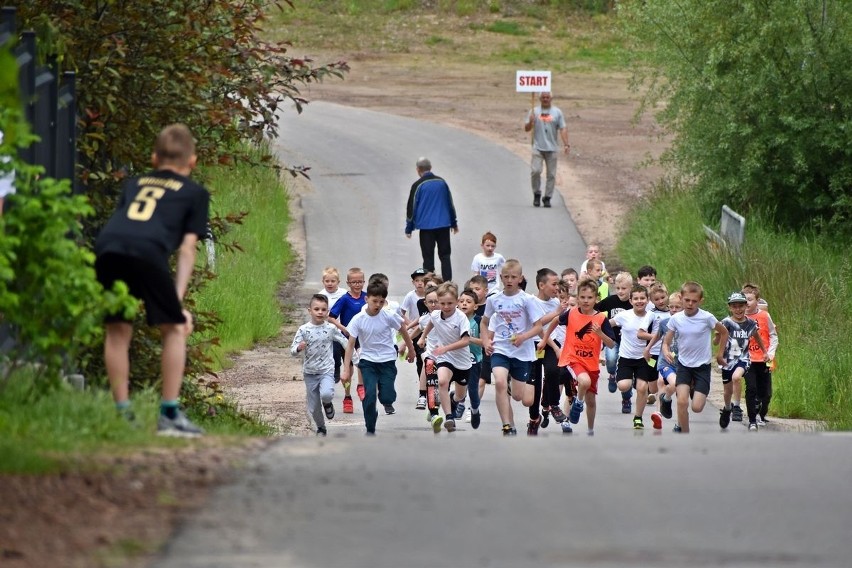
x: 694, y: 328
x: 341, y: 313
x: 612, y: 306
x: 511, y: 322
x: 488, y: 263
x: 158, y: 213
x: 331, y: 289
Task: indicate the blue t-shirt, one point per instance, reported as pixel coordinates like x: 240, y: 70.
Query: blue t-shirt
x: 347, y: 307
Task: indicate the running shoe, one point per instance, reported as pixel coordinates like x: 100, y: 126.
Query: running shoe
x: 576, y: 411
x: 467, y: 415
x: 329, y: 410
x: 557, y: 413
x: 459, y: 410
x: 760, y: 421
x: 321, y: 431
x: 475, y: 419
x: 536, y: 200
x: 509, y: 431
x: 437, y: 420
x: 532, y: 426
x: 736, y: 413
x: 612, y: 386
x: 450, y: 425
x: 179, y: 426
x: 566, y: 428
x: 626, y: 406
x: 677, y: 429
x: 637, y: 423
x: 657, y: 420
x: 666, y: 407
x: 389, y: 409
x: 752, y: 427
x: 545, y: 417
x: 453, y: 405
x: 652, y: 398
x: 724, y: 417
x: 421, y: 403
x: 362, y: 392
x: 348, y: 407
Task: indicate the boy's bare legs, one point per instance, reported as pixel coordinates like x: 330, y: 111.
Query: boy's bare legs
x: 683, y: 407
x: 173, y: 360
x: 117, y: 359
x: 501, y: 395
x: 591, y: 408
x: 444, y: 376
x: 481, y: 388
x: 698, y: 401
x: 641, y: 397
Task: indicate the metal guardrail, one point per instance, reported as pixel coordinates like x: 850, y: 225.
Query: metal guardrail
x: 731, y: 232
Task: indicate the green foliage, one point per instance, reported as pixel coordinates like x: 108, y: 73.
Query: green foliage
x: 808, y: 286
x: 262, y: 236
x: 507, y: 27
x: 49, y: 295
x: 758, y: 96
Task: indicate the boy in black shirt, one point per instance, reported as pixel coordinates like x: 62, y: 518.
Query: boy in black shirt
x: 157, y: 214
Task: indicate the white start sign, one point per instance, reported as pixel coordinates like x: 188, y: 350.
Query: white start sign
x: 532, y: 81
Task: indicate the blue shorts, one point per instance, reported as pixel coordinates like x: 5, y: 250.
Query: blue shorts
x: 518, y: 370
x: 666, y: 371
x: 728, y: 374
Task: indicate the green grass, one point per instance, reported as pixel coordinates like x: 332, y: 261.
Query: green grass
x: 244, y: 294
x: 808, y: 286
x: 507, y: 27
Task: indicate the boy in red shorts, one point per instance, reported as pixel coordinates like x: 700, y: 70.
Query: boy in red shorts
x: 586, y: 331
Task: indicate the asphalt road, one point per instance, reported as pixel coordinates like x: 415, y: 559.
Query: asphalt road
x: 408, y: 497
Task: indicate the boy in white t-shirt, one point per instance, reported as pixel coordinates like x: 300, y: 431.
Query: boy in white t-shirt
x: 488, y: 263
x: 374, y: 328
x: 593, y: 251
x: 511, y: 322
x: 633, y: 370
x: 449, y: 329
x: 694, y: 328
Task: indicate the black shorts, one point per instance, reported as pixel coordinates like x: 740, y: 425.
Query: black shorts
x: 485, y: 369
x: 697, y: 377
x: 148, y: 282
x: 460, y: 376
x: 638, y: 369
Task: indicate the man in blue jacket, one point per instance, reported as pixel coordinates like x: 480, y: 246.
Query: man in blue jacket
x: 431, y: 211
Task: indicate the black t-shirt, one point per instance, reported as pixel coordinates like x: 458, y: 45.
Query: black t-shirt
x: 612, y: 305
x: 154, y: 213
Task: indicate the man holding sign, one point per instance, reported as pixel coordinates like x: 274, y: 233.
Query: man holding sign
x: 545, y: 121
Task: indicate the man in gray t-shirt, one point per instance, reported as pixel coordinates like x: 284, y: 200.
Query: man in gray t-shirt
x: 545, y: 121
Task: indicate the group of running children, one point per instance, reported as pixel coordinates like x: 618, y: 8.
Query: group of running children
x: 536, y: 347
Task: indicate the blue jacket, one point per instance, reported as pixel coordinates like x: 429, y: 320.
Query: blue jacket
x: 430, y: 205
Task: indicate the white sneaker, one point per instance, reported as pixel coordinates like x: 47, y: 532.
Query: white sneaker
x: 179, y: 426
x: 467, y: 416
x: 421, y: 403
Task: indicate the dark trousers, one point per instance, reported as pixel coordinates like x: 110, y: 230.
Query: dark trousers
x: 378, y: 379
x: 428, y: 239
x: 758, y: 380
x: 545, y: 376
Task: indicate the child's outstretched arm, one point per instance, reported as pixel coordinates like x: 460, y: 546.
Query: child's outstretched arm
x: 409, y: 346
x: 667, y: 346
x: 347, y: 359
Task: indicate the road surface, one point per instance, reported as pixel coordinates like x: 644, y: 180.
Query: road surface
x: 473, y: 498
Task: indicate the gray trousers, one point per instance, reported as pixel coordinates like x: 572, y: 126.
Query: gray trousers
x: 538, y: 162
x: 320, y: 390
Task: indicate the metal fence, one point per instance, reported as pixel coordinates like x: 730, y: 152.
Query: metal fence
x: 49, y: 102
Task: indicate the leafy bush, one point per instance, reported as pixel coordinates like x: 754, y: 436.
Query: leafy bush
x: 757, y: 95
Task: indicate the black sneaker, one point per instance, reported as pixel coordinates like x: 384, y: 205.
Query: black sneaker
x: 450, y: 425
x: 736, y: 413
x: 537, y: 200
x: 677, y: 429
x: 557, y: 413
x: 532, y: 426
x: 545, y: 418
x: 322, y: 431
x: 637, y: 423
x: 475, y: 420
x: 724, y: 417
x: 389, y: 409
x: 626, y: 406
x: 329, y: 410
x: 666, y: 408
x: 453, y: 405
x: 546, y: 202
x: 509, y: 431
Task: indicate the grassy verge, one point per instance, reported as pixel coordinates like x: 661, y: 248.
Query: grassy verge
x: 806, y: 283
x: 244, y: 293
x: 562, y: 36
x: 44, y: 430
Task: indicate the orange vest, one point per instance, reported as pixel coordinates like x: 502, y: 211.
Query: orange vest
x: 582, y: 346
x: 762, y: 319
